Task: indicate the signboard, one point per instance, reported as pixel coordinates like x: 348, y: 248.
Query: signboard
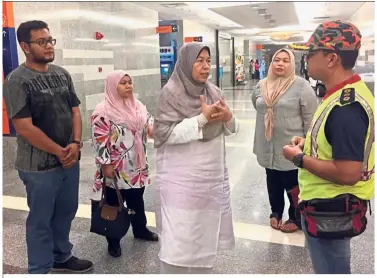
x: 10, y: 57
x: 193, y: 39
x: 167, y: 29
x: 5, y: 117
x: 221, y: 72
x: 166, y: 54
x: 8, y: 18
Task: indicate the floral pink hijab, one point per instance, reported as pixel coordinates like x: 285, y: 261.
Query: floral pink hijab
x: 130, y: 112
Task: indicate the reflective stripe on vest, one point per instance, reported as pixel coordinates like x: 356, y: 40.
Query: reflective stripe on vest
x: 365, y: 174
x: 317, y: 146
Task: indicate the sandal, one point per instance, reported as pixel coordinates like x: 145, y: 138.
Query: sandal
x: 289, y: 226
x: 275, y: 222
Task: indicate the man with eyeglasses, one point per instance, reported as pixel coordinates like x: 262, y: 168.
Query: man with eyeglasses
x: 336, y: 158
x: 44, y: 109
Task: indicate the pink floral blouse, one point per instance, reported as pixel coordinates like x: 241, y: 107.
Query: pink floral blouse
x: 113, y: 143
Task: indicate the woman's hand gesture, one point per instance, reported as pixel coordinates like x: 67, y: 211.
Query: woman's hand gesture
x: 223, y: 113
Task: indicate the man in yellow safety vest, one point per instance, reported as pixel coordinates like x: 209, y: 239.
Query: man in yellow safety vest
x: 336, y: 159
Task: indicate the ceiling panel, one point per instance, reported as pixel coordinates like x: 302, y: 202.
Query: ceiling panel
x: 292, y: 21
x: 190, y: 11
x: 363, y: 18
x: 283, y: 13
x: 317, y: 12
x: 166, y: 13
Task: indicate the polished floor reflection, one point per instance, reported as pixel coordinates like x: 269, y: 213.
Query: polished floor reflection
x: 259, y: 249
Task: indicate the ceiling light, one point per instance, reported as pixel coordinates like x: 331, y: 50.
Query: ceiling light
x: 174, y: 5
x: 214, y: 5
x: 246, y: 31
x: 284, y: 43
x: 224, y: 35
x: 322, y: 18
x: 306, y: 11
x: 262, y: 12
x: 255, y: 5
x: 205, y: 14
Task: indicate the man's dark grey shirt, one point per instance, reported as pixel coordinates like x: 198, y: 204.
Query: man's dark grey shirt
x: 48, y: 98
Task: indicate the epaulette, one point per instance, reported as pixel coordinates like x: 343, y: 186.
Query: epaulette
x: 347, y: 96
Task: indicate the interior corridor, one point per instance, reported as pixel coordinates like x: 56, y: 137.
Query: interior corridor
x: 259, y: 248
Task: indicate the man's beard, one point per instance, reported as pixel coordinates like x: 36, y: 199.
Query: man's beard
x: 43, y: 60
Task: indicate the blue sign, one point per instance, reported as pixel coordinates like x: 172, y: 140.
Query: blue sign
x: 10, y: 60
x: 167, y: 54
x: 221, y: 72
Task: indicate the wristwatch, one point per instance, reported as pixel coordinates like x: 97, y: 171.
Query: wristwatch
x: 78, y: 143
x: 298, y: 160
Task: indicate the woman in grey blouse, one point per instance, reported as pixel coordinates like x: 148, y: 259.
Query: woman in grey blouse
x: 285, y: 105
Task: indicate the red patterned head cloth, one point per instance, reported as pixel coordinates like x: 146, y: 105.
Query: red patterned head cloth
x: 335, y: 35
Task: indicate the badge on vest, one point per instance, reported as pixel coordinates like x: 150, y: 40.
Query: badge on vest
x: 347, y: 96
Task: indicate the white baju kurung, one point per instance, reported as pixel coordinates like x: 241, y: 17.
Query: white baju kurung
x: 193, y: 213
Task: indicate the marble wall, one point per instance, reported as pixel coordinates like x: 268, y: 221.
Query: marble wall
x: 129, y: 43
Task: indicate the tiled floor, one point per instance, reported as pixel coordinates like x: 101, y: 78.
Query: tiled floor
x: 259, y: 249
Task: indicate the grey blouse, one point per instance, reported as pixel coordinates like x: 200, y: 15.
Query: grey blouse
x: 293, y: 114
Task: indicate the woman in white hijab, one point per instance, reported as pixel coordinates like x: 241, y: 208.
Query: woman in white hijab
x: 193, y: 212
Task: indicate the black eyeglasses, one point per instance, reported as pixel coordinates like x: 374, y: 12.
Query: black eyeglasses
x: 44, y: 42
x: 311, y: 53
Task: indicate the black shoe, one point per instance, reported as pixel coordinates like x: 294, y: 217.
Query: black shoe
x: 114, y: 250
x: 148, y: 236
x: 73, y: 265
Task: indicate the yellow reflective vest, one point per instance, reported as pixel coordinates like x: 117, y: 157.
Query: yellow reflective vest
x: 316, y: 145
